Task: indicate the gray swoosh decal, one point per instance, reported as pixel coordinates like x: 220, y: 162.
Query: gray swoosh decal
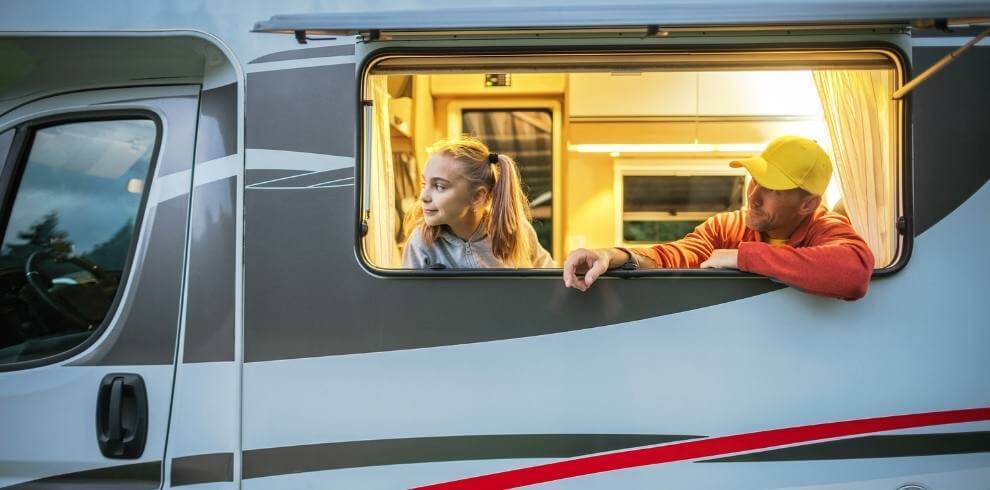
x: 259, y: 463
x: 202, y: 468
x: 216, y: 132
x: 210, y: 308
x: 303, y: 109
x: 302, y: 54
x: 950, y: 133
x: 128, y: 476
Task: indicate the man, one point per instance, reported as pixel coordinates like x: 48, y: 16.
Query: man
x: 784, y: 232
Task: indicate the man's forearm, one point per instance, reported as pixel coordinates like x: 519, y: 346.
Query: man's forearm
x: 644, y: 262
x: 618, y: 256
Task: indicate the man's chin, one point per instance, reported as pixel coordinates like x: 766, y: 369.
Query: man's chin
x: 758, y: 225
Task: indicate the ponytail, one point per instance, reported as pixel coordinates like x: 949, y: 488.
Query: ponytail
x: 509, y: 214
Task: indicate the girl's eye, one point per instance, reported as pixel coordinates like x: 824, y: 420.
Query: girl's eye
x: 439, y: 187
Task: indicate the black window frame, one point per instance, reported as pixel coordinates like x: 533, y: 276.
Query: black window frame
x: 904, y: 224
x: 10, y: 181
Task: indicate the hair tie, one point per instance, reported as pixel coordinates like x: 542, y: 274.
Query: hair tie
x: 493, y: 158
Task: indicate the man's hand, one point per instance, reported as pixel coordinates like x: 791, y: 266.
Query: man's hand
x: 583, y: 266
x: 722, y: 258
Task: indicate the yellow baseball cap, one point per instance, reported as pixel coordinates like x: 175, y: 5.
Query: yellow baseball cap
x: 789, y: 162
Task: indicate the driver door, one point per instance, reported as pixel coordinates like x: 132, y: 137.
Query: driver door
x: 94, y: 189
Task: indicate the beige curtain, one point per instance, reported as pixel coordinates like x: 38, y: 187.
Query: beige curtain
x: 862, y: 121
x: 379, y: 244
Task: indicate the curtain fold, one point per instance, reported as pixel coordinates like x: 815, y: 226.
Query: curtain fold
x: 861, y: 120
x: 379, y: 244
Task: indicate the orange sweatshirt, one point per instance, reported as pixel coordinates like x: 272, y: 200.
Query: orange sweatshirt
x: 823, y: 256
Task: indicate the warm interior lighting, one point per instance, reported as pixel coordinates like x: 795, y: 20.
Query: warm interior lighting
x: 669, y: 148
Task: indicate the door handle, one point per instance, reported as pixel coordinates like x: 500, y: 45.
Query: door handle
x: 122, y: 416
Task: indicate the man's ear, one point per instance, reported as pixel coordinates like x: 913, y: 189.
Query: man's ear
x: 809, y: 205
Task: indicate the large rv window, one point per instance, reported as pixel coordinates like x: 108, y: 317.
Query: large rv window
x: 627, y: 149
x: 68, y: 235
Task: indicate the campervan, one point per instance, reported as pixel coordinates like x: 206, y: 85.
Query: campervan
x: 203, y: 208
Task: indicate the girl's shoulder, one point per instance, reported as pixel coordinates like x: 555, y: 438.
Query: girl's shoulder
x: 415, y: 237
x: 539, y: 257
x: 414, y: 253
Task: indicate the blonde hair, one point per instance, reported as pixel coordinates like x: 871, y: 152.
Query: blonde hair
x: 509, y: 208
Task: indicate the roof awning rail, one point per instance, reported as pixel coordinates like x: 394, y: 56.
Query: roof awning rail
x: 658, y: 19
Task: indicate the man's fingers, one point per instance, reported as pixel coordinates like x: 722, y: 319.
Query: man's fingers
x: 568, y: 272
x: 570, y: 268
x: 582, y: 267
x: 597, y: 269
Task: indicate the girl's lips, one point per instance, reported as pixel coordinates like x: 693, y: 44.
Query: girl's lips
x: 429, y: 212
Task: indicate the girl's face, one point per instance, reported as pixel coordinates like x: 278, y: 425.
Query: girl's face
x: 447, y: 196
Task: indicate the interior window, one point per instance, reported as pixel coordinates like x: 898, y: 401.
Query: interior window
x: 664, y: 208
x: 632, y: 148
x: 69, y: 233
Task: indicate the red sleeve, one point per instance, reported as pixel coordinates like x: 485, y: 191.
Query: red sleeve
x: 836, y: 262
x: 688, y: 252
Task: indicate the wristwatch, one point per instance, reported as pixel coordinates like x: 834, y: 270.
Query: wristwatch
x: 630, y: 264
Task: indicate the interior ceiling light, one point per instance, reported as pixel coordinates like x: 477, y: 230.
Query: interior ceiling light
x: 669, y: 148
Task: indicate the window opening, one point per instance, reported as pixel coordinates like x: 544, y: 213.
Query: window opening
x: 69, y: 233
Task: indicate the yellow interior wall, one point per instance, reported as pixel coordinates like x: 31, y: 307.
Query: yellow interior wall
x: 440, y: 117
x: 589, y: 212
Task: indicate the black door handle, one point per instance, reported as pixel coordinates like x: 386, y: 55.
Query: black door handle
x: 122, y: 416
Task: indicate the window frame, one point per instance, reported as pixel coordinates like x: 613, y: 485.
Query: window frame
x: 904, y: 185
x: 10, y: 181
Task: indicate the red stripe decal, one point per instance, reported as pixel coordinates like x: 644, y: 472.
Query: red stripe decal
x: 708, y: 447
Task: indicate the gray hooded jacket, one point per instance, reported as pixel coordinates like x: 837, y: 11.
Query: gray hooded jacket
x: 454, y: 253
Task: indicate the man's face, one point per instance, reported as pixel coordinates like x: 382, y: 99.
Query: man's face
x: 770, y: 210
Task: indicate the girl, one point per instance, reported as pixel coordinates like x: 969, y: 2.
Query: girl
x: 472, y: 212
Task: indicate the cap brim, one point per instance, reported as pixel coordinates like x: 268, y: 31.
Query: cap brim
x: 765, y: 174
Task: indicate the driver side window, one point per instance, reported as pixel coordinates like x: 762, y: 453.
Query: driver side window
x: 71, y: 214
